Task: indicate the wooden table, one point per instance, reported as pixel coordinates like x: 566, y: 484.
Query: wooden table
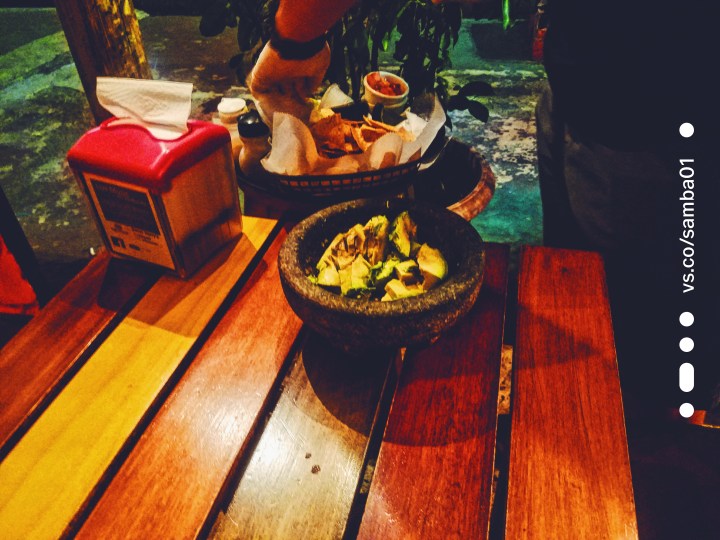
x: 139, y: 405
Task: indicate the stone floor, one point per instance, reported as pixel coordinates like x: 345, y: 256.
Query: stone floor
x: 43, y: 111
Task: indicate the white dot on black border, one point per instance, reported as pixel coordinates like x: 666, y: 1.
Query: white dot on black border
x: 687, y: 318
x: 686, y: 410
x: 687, y: 130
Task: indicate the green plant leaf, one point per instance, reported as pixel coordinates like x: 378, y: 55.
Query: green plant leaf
x: 441, y: 90
x: 453, y: 14
x: 476, y: 88
x: 337, y: 72
x: 248, y: 33
x: 458, y: 103
x: 422, y: 33
x: 506, y: 14
x: 236, y: 61
x: 478, y: 110
x: 214, y: 18
x: 358, y: 43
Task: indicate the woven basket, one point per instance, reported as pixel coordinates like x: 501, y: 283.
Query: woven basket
x: 337, y: 184
x: 351, y: 185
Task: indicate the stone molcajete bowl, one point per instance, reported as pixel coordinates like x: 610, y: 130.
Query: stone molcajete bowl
x: 363, y: 323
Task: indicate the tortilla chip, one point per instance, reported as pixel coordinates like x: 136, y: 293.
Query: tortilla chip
x: 379, y: 125
x: 362, y: 138
x: 335, y: 136
x: 405, y: 135
x: 329, y: 130
x: 362, y: 144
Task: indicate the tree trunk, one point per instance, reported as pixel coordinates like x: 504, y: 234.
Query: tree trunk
x: 104, y: 39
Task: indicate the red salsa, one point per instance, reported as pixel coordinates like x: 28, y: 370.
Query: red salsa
x: 387, y: 85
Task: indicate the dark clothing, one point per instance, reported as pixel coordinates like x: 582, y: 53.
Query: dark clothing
x: 600, y: 199
x: 597, y: 197
x: 627, y: 72
x: 623, y: 77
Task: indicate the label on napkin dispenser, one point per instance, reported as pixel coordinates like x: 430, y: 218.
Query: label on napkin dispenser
x: 168, y: 202
x: 130, y: 220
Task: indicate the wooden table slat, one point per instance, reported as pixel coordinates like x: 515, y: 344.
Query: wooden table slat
x: 36, y: 361
x: 303, y: 474
x: 59, y: 463
x: 434, y: 473
x: 174, y: 475
x: 569, y: 471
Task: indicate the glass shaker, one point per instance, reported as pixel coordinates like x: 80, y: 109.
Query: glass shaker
x: 255, y: 138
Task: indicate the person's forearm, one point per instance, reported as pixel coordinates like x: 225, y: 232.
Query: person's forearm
x: 304, y: 20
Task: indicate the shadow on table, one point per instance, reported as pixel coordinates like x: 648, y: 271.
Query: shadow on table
x: 349, y: 385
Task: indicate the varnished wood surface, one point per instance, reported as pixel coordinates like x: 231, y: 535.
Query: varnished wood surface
x: 199, y: 414
x: 434, y: 474
x: 59, y: 464
x: 175, y: 473
x: 51, y: 345
x: 301, y: 479
x: 569, y: 471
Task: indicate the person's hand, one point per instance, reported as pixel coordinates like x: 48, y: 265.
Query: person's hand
x: 282, y: 84
x: 298, y: 77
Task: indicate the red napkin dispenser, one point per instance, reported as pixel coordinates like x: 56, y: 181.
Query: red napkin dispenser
x: 172, y: 203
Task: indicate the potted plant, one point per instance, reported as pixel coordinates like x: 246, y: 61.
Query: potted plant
x: 422, y: 34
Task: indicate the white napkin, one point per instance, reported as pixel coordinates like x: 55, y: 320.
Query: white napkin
x: 293, y: 147
x: 162, y: 107
x: 334, y: 97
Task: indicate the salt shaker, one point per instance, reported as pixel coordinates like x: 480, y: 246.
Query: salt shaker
x: 229, y: 109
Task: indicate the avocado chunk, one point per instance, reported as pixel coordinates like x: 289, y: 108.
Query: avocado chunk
x: 355, y: 239
x: 350, y: 246
x: 355, y: 278
x: 408, y: 272
x: 343, y: 249
x: 396, y: 289
x: 414, y: 248
x: 376, y: 239
x: 402, y: 233
x: 328, y: 276
x: 433, y: 266
x: 384, y: 271
x: 327, y: 256
x: 379, y: 258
